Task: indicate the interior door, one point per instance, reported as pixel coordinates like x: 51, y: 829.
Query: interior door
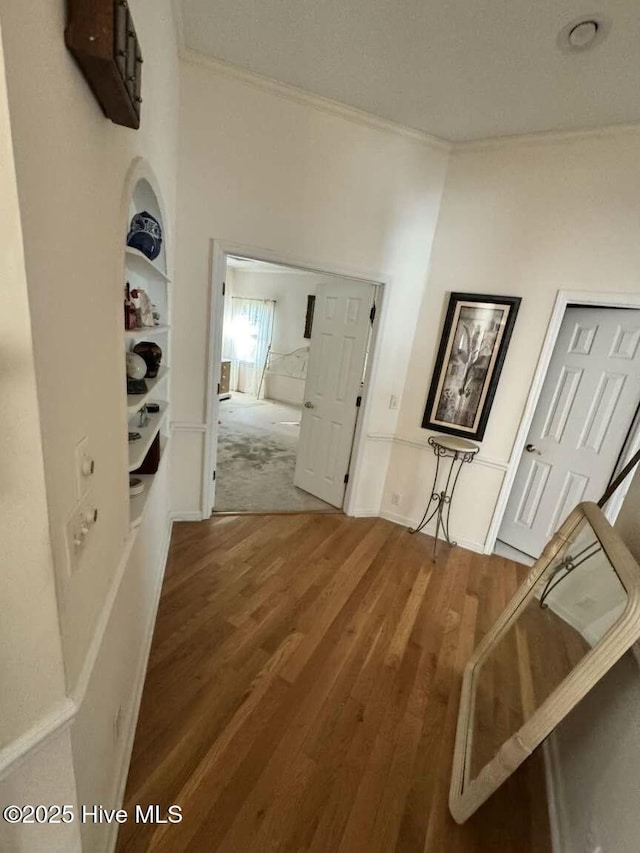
x: 218, y: 306
x: 587, y: 404
x: 341, y: 327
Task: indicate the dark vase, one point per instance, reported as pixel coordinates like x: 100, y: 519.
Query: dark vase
x: 152, y: 355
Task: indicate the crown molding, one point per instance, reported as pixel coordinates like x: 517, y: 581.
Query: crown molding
x: 299, y: 96
x: 547, y: 137
x: 327, y: 105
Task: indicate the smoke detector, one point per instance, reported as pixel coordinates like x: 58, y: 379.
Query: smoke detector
x: 583, y: 33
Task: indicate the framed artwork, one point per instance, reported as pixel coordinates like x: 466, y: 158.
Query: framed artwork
x: 311, y: 307
x: 476, y: 334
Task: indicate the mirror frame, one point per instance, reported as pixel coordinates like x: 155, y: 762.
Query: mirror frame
x: 466, y: 797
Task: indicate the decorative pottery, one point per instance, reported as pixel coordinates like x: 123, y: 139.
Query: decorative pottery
x: 136, y: 366
x: 152, y: 355
x: 145, y: 234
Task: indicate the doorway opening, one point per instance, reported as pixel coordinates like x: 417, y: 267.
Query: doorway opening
x: 294, y: 347
x: 584, y: 426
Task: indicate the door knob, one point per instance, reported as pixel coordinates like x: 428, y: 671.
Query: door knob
x: 531, y: 448
x: 309, y: 405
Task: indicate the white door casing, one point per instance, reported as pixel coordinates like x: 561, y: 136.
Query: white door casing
x: 586, y: 406
x: 341, y: 329
x: 213, y: 397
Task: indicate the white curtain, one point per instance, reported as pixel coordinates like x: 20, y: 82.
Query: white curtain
x: 250, y: 338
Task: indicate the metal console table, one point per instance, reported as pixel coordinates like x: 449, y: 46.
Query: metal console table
x: 459, y: 450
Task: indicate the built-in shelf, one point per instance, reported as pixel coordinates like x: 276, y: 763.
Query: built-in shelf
x: 150, y: 277
x: 136, y: 401
x: 145, y: 331
x: 138, y: 503
x: 141, y: 264
x: 138, y: 449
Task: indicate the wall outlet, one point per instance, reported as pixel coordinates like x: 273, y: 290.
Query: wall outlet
x: 393, y: 401
x: 77, y: 532
x: 395, y: 499
x: 85, y: 467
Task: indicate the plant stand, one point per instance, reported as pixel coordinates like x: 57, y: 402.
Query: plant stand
x: 459, y: 451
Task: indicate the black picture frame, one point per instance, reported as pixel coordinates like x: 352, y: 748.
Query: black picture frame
x: 308, y: 322
x: 474, y: 342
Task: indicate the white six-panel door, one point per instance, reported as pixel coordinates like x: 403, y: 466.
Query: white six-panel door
x: 588, y: 401
x: 341, y: 327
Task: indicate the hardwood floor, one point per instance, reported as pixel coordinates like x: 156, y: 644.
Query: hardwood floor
x: 303, y: 689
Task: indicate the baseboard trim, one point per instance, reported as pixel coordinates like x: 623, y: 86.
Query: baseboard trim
x: 47, y: 727
x: 120, y: 780
x: 188, y: 515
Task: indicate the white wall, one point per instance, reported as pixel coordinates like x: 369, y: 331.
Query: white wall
x: 266, y: 171
x: 29, y: 631
x: 523, y: 218
x: 31, y: 668
x: 71, y: 164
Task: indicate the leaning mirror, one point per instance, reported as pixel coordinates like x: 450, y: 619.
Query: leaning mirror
x: 574, y: 616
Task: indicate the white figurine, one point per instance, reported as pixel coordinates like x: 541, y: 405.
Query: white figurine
x: 144, y: 308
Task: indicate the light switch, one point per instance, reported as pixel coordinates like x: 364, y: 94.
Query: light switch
x: 85, y: 468
x: 78, y: 532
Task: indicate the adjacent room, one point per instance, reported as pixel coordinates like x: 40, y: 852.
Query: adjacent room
x: 267, y: 332
x: 320, y: 371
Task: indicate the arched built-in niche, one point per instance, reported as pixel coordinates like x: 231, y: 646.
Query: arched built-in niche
x: 152, y: 427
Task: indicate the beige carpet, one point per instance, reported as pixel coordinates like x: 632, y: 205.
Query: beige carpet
x: 257, y: 445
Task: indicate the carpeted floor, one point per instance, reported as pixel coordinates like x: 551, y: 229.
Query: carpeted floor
x: 257, y: 446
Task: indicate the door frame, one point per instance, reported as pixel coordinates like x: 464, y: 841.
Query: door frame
x: 219, y: 251
x: 564, y: 298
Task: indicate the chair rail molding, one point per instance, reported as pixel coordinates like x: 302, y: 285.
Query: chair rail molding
x: 52, y: 723
x: 188, y: 426
x: 422, y: 445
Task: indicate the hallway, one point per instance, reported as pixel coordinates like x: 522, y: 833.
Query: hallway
x: 302, y: 693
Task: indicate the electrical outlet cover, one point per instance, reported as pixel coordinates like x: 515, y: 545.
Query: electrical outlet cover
x: 77, y: 532
x: 82, y: 459
x: 73, y: 541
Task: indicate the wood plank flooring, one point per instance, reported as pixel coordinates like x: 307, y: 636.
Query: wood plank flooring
x: 303, y: 688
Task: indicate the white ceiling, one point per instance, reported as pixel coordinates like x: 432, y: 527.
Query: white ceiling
x: 458, y: 69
